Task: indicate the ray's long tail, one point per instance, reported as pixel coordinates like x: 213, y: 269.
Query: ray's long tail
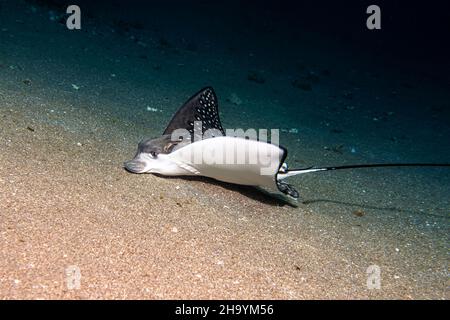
x: 293, y: 172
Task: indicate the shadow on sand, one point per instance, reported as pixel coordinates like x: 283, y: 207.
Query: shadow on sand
x: 272, y: 200
x: 372, y: 207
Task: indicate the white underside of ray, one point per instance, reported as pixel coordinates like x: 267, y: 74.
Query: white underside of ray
x: 228, y: 159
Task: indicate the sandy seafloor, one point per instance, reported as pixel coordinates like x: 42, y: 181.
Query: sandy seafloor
x: 66, y: 200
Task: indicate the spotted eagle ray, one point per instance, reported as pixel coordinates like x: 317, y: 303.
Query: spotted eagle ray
x: 173, y: 153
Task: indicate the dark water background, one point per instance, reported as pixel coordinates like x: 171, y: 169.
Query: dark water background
x: 413, y: 30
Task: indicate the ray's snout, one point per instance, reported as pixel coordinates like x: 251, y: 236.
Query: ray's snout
x: 134, y: 166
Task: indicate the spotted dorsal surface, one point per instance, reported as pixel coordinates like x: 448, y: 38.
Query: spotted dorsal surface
x: 202, y: 106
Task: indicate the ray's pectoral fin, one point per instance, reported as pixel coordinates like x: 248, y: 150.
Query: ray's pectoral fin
x: 282, y: 186
x: 201, y: 107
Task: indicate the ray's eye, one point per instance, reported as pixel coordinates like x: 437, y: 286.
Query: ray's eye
x: 153, y: 154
